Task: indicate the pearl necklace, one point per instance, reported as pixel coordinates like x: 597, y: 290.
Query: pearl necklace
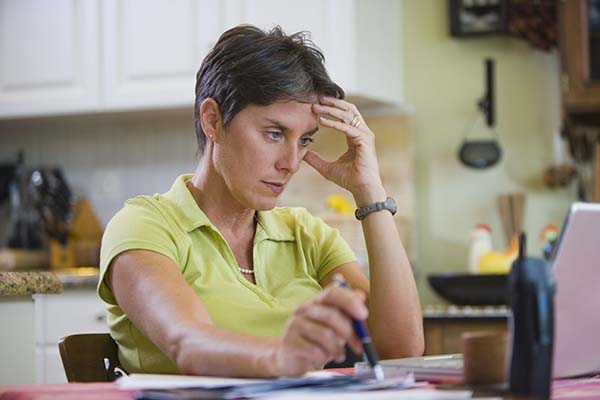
x: 246, y: 271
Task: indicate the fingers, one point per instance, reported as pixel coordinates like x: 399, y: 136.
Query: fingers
x: 345, y: 300
x: 318, y: 330
x: 338, y: 103
x: 315, y: 161
x: 335, y: 328
x: 308, y: 344
x: 344, y: 111
x: 346, y: 117
x: 325, y: 343
x: 350, y: 305
x: 350, y: 131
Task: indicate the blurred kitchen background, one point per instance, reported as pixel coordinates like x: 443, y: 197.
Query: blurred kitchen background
x: 100, y: 93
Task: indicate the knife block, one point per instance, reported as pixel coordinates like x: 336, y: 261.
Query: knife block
x: 61, y: 255
x: 75, y: 253
x: 83, y: 244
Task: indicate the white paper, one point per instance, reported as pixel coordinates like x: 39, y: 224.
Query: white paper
x: 160, y: 381
x: 416, y: 394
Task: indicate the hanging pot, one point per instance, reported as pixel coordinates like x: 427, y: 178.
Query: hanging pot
x: 479, y: 154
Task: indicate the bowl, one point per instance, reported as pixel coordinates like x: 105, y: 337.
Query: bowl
x: 471, y: 289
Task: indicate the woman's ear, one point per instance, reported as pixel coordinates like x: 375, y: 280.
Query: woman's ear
x: 210, y: 118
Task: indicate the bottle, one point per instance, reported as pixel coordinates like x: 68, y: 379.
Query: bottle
x: 480, y: 242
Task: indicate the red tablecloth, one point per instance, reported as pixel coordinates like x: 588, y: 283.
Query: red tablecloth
x: 66, y: 391
x: 571, y: 389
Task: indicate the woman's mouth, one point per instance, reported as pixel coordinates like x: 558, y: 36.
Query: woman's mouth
x: 276, y: 187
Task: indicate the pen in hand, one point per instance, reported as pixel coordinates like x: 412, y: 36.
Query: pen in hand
x: 368, y: 348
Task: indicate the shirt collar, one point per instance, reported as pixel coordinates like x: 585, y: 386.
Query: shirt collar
x: 189, y: 214
x: 272, y: 224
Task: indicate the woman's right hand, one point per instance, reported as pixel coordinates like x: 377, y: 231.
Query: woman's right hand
x: 318, y: 330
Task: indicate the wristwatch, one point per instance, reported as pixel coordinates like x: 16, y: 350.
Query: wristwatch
x: 389, y: 204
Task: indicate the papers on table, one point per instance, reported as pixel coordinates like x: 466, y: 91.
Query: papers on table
x: 327, y: 385
x: 157, y: 381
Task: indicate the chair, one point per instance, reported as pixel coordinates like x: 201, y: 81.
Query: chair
x: 89, y: 357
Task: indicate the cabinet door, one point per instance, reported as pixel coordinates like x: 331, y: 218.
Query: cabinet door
x: 48, y: 57
x: 58, y: 315
x: 74, y: 311
x: 361, y: 40
x: 152, y: 50
x: 49, y: 365
x: 580, y: 54
x: 330, y: 23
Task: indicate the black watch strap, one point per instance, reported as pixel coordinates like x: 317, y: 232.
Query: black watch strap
x: 388, y: 204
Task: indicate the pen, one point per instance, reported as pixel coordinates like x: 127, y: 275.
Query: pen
x: 368, y: 348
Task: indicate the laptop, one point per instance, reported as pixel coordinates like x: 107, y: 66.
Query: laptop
x: 575, y: 264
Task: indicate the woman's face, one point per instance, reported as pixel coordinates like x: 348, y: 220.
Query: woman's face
x: 261, y: 149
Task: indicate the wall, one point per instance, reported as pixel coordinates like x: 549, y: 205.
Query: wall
x: 443, y: 79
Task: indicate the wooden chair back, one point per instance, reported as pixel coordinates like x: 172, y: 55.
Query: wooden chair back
x: 89, y: 357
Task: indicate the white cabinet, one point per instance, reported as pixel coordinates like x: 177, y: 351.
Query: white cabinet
x: 16, y: 340
x: 69, y: 56
x: 361, y: 40
x: 73, y: 311
x: 152, y: 50
x: 48, y: 57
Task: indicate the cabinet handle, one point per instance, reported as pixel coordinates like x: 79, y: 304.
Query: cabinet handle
x: 100, y: 318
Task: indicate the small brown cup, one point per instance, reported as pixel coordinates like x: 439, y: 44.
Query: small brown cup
x: 484, y: 357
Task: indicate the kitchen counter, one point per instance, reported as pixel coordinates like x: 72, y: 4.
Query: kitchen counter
x: 444, y: 325
x: 14, y: 283
x: 78, y: 277
x: 465, y: 312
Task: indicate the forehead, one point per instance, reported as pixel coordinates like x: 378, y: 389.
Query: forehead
x: 292, y: 114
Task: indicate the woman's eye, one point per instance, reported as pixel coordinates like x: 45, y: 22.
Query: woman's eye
x: 274, y: 135
x: 306, y: 141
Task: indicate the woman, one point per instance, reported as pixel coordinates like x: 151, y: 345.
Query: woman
x: 211, y: 278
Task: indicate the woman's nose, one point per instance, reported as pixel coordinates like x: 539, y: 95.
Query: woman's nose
x: 289, y: 159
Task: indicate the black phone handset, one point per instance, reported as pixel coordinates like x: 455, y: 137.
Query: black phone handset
x: 531, y: 294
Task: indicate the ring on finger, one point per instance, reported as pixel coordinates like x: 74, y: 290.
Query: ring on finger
x: 355, y: 121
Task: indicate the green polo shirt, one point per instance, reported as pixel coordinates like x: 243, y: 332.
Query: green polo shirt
x: 292, y: 252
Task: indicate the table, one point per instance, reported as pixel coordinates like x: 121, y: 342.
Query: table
x: 571, y: 389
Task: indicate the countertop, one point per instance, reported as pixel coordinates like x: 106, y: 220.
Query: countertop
x: 78, y: 277
x: 13, y: 283
x: 465, y: 312
x: 48, y: 281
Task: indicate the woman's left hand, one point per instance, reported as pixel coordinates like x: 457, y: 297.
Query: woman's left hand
x: 357, y: 169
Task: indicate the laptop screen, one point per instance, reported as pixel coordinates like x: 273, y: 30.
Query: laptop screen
x: 576, y: 270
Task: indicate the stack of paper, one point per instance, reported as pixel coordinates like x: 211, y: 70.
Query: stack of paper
x: 324, y: 384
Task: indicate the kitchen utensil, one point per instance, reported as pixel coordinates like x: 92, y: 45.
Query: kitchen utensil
x: 471, y: 289
x: 480, y: 154
x: 511, y: 207
x: 52, y: 198
x: 7, y: 172
x: 25, y: 224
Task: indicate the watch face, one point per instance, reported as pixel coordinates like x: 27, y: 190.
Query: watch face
x: 391, y: 205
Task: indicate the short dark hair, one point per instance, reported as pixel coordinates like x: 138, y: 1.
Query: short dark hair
x: 250, y: 66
